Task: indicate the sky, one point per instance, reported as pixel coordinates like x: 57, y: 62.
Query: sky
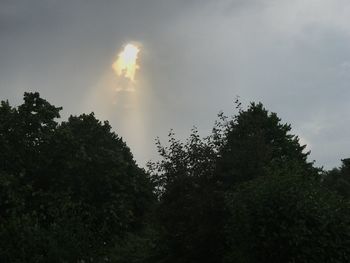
x: 196, y: 57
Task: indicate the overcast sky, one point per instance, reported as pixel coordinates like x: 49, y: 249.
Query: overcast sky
x: 196, y: 57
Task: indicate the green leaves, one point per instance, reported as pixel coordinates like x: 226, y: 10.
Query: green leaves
x: 71, y: 192
x: 257, y: 143
x: 287, y: 219
x: 246, y: 193
x: 67, y: 190
x: 338, y: 179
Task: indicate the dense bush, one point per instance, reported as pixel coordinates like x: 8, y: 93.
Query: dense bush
x: 287, y: 219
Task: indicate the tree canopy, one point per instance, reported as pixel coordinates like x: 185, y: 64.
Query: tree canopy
x: 68, y: 189
x: 246, y: 193
x: 256, y: 143
x: 71, y: 191
x: 338, y: 179
x: 287, y: 219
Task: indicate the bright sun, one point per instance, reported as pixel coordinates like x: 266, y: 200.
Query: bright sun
x: 126, y: 64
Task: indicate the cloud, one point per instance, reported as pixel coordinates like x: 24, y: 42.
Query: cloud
x: 197, y: 56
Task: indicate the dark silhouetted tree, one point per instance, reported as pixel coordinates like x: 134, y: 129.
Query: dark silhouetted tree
x: 287, y: 218
x: 69, y: 191
x: 189, y: 212
x: 338, y: 179
x: 256, y: 142
x: 194, y: 177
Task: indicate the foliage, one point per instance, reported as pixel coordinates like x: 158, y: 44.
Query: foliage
x: 72, y: 192
x: 247, y: 192
x: 287, y: 219
x: 188, y: 212
x: 67, y: 190
x: 338, y: 179
x: 258, y: 143
x: 194, y: 177
x: 141, y: 247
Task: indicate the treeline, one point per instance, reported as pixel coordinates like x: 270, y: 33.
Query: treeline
x: 71, y: 192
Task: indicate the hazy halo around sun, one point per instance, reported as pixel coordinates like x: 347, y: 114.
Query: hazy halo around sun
x: 126, y: 63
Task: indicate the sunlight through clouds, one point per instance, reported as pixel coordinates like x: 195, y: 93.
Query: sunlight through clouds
x: 126, y: 64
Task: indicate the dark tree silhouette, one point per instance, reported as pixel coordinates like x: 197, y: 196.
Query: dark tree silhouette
x: 338, y: 179
x: 72, y: 192
x: 69, y: 190
x: 287, y: 218
x: 256, y: 143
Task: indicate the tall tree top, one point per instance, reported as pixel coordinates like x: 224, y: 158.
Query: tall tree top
x: 257, y: 141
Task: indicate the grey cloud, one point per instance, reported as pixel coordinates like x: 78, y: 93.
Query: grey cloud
x: 197, y: 56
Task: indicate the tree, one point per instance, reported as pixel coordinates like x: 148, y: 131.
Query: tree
x: 287, y: 218
x: 338, y: 179
x: 194, y: 177
x: 24, y: 132
x: 68, y: 190
x: 97, y: 169
x: 190, y: 209
x: 256, y: 142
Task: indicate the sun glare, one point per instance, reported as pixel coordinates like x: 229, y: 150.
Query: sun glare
x: 126, y: 63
